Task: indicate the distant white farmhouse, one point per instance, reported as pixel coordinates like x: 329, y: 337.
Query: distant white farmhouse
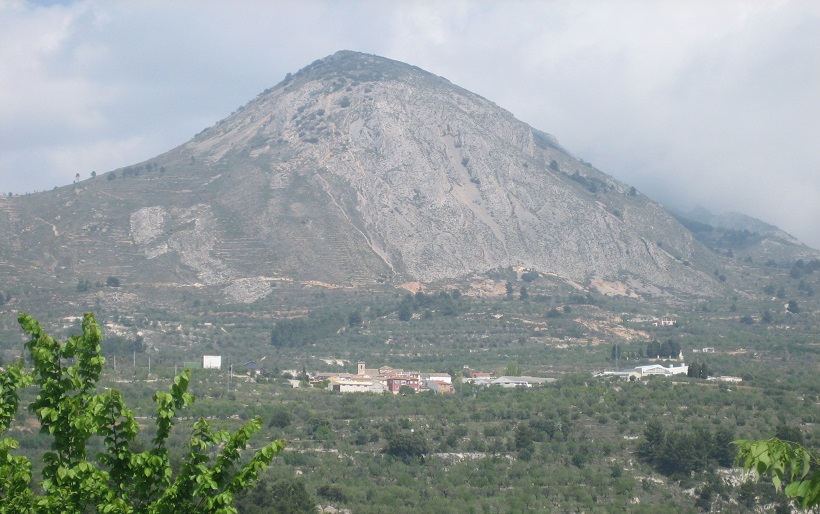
x: 436, y: 377
x: 211, y: 362
x: 665, y: 321
x: 646, y: 371
x: 356, y: 385
x: 509, y: 382
x: 657, y: 369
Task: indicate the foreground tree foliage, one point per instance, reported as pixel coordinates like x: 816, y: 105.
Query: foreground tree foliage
x: 785, y: 462
x: 119, y: 480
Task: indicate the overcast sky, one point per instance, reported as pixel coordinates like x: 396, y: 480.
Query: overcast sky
x: 695, y: 103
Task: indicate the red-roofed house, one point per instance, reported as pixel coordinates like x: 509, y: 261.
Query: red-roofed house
x: 395, y: 383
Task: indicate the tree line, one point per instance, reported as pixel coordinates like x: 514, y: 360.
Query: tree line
x: 677, y: 452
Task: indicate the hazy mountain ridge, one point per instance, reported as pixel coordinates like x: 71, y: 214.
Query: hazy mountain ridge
x: 756, y: 239
x: 355, y: 170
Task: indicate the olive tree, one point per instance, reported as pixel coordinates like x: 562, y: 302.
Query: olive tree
x: 118, y: 480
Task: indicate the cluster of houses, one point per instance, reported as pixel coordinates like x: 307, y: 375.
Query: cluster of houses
x: 385, y: 379
x: 388, y: 379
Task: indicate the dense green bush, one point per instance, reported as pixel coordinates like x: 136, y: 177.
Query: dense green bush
x: 407, y: 446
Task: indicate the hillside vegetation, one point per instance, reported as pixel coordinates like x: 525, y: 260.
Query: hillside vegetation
x: 631, y: 444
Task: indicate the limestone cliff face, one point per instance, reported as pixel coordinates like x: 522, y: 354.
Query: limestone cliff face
x: 436, y: 182
x: 355, y: 170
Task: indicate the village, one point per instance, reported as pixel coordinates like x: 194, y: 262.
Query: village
x: 384, y: 379
x: 398, y: 381
x: 387, y: 379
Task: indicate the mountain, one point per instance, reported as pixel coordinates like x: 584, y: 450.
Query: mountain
x: 754, y: 239
x: 356, y: 170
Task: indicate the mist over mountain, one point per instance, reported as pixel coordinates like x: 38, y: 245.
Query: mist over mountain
x: 356, y: 170
x: 755, y: 239
x: 734, y: 221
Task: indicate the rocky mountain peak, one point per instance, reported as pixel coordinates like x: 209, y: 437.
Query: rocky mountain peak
x: 436, y: 182
x: 359, y: 169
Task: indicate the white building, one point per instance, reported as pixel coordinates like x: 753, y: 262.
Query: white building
x: 726, y: 378
x: 358, y: 385
x: 211, y: 362
x: 509, y: 381
x: 437, y: 377
x: 657, y: 369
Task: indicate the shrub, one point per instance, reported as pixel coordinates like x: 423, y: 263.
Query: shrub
x: 280, y: 418
x: 406, y: 446
x: 332, y: 493
x: 289, y: 495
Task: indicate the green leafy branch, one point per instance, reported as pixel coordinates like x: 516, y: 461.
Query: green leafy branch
x: 785, y: 462
x: 117, y: 480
